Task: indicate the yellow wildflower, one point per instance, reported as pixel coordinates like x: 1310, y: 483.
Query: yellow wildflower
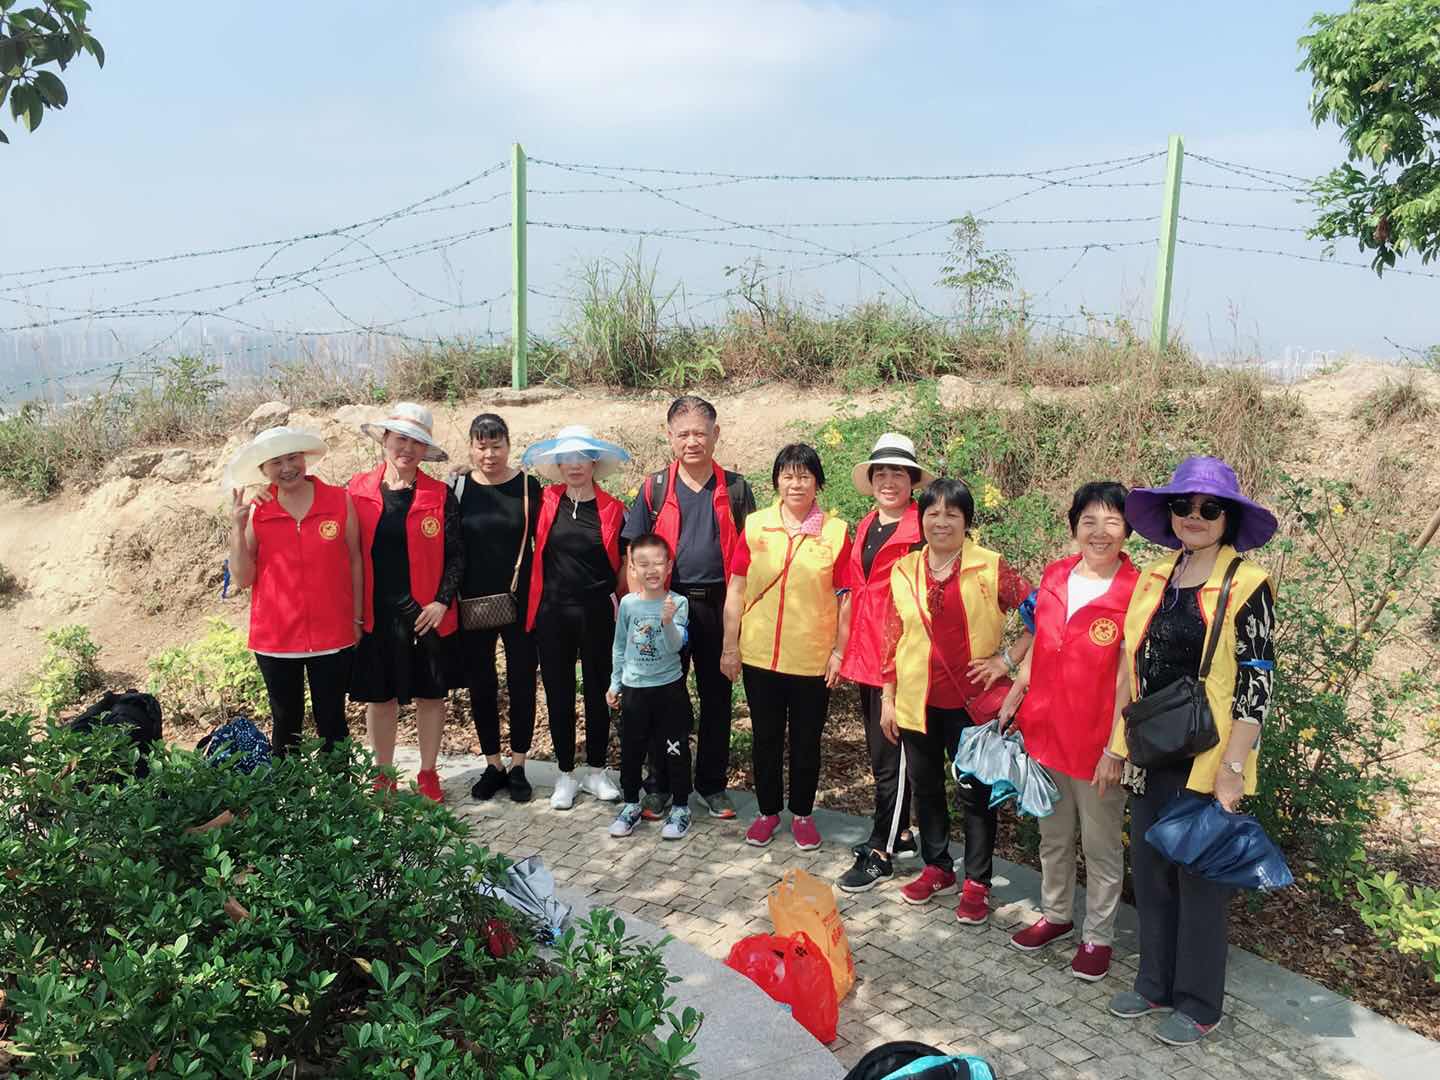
x: 634, y: 491
x: 955, y: 443
x: 991, y: 497
x: 1306, y: 734
x: 832, y: 437
x: 1338, y: 509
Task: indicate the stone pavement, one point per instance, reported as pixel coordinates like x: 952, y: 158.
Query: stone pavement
x: 922, y: 975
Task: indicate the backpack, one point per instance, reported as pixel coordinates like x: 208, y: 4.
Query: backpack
x: 140, y: 712
x: 916, y: 1061
x: 736, y: 487
x: 240, y: 740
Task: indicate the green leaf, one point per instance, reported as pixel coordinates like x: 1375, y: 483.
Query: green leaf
x: 93, y: 48
x: 51, y: 89
x: 4, y: 139
x: 20, y: 100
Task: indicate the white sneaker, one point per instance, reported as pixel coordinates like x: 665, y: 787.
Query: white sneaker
x: 597, y: 782
x: 563, y: 797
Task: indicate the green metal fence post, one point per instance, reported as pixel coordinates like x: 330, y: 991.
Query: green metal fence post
x: 1165, y: 265
x: 519, y: 333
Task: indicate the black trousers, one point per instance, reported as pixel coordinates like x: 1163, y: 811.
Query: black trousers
x: 702, y: 651
x: 925, y: 753
x: 329, y: 678
x: 892, y: 787
x: 1183, y: 918
x: 564, y: 632
x: 781, y: 705
x: 477, y: 658
x: 656, y: 716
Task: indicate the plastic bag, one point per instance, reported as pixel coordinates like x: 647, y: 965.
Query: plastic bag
x: 793, y: 971
x: 802, y: 902
x: 1201, y: 835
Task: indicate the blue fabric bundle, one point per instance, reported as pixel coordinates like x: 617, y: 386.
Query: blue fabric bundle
x: 1000, y: 761
x: 1196, y: 832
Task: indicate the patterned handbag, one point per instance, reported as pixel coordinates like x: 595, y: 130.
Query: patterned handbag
x: 496, y: 609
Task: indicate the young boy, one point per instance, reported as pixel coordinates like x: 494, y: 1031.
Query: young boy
x: 648, y: 685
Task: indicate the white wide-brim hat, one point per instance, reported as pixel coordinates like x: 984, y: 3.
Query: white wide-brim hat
x: 892, y: 448
x: 545, y: 456
x: 244, y: 467
x: 414, y: 422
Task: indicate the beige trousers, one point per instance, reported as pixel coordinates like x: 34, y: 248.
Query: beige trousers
x: 1101, y: 822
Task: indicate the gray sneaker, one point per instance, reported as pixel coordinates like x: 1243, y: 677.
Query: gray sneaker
x: 655, y: 806
x: 626, y: 820
x: 677, y: 825
x: 1128, y: 1005
x: 719, y: 805
x: 1177, y: 1029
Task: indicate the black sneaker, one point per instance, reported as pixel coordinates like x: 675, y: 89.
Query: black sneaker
x: 491, y: 781
x: 905, y: 846
x: 869, y: 870
x: 520, y: 789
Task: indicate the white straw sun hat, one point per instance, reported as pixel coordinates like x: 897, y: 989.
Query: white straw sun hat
x: 414, y: 422
x: 892, y: 448
x: 244, y: 467
x: 544, y: 457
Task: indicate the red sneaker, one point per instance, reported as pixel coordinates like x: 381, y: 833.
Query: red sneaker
x: 384, y: 783
x: 931, y: 883
x: 1091, y: 962
x: 762, y: 830
x: 1039, y: 934
x: 807, y: 836
x: 974, y: 906
x: 428, y: 781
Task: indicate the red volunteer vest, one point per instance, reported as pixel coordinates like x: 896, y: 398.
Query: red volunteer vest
x: 1067, y: 714
x: 424, y: 539
x: 870, y: 602
x: 612, y: 516
x: 667, y: 521
x: 302, y: 600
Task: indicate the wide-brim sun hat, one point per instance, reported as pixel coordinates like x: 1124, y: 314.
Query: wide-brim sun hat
x: 892, y: 448
x: 1148, y: 511
x: 244, y: 466
x: 414, y: 422
x: 544, y: 457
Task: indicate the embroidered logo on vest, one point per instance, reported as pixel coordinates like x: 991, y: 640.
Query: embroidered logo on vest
x: 1104, y: 632
x: 430, y: 527
x: 329, y: 529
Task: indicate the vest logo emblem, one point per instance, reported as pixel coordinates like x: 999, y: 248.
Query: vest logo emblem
x: 329, y: 529
x: 430, y: 526
x: 1104, y: 632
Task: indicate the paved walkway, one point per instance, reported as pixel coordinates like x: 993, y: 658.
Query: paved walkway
x: 922, y: 975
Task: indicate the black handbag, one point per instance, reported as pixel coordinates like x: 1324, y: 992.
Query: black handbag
x: 1174, y: 723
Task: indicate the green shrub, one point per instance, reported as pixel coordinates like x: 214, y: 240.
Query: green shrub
x: 1406, y: 920
x: 322, y: 930
x: 448, y: 371
x: 32, y: 453
x: 210, y: 678
x: 68, y: 670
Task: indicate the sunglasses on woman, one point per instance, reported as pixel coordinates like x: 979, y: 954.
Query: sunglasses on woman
x: 1182, y: 505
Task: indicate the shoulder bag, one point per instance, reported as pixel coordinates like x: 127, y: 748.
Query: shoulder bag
x: 496, y: 609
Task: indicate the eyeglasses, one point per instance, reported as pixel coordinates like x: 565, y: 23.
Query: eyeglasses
x: 1184, y: 505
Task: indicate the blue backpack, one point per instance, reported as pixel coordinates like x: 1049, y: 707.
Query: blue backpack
x: 239, y: 740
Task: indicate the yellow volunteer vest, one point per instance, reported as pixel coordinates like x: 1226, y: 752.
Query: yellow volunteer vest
x: 1220, y: 686
x: 980, y: 594
x: 791, y: 612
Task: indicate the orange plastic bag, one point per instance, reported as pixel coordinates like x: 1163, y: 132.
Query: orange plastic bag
x: 802, y: 902
x: 792, y: 970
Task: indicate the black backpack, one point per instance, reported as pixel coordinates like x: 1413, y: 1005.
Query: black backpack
x: 140, y: 712
x: 736, y: 486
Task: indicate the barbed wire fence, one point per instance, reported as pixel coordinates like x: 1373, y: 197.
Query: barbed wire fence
x: 422, y: 258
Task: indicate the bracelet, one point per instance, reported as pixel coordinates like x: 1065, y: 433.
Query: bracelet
x: 1010, y: 665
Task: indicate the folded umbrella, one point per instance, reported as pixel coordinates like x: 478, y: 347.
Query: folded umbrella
x: 1001, y: 762
x: 530, y: 889
x: 1196, y: 832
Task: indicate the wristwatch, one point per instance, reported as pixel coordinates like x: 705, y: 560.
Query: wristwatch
x: 1237, y: 767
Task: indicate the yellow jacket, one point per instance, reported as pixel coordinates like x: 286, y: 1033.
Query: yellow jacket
x: 1220, y: 685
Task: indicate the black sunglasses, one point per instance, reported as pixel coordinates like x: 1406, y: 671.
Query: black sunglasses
x: 1182, y: 505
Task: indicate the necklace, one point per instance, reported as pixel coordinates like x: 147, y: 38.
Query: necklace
x: 938, y: 571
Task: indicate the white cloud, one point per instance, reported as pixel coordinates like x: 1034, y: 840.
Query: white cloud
x: 621, y: 61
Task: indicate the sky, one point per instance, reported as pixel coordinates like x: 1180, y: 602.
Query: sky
x: 216, y: 125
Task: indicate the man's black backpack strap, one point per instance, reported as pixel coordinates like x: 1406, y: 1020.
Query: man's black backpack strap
x: 653, y: 492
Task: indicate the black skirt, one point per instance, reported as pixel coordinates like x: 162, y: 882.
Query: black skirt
x: 390, y: 663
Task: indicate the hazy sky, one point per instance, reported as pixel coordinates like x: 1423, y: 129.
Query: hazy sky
x: 222, y: 124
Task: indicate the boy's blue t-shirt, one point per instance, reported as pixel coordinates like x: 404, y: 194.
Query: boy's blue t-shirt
x: 646, y: 652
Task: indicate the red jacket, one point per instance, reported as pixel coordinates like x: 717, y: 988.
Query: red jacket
x: 424, y: 538
x: 612, y: 517
x: 870, y: 601
x: 1066, y: 715
x: 302, y: 600
x: 667, y: 521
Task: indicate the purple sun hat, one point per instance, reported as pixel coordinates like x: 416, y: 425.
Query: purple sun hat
x: 1148, y: 514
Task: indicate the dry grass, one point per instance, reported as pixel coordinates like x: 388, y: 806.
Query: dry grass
x: 1395, y: 404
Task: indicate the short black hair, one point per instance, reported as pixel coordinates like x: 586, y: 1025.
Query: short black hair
x: 951, y: 492
x: 489, y: 425
x: 911, y: 469
x: 688, y: 403
x: 651, y: 540
x: 798, y: 455
x: 1108, y: 493
x: 1233, y: 515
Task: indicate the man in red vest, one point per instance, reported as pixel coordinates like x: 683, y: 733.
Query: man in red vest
x: 700, y: 509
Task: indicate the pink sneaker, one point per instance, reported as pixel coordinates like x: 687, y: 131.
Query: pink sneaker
x: 762, y: 830
x: 1091, y: 963
x: 807, y: 836
x: 1039, y: 934
x: 974, y: 906
x: 931, y: 883
x: 428, y: 781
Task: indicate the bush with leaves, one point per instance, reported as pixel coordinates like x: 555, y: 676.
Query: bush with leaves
x: 207, y: 924
x: 212, y: 677
x: 32, y: 38
x: 1407, y: 920
x: 69, y: 670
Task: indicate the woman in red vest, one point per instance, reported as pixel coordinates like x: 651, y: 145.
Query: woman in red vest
x: 890, y: 475
x: 571, y: 607
x: 296, y: 546
x: 410, y: 536
x: 1063, y: 701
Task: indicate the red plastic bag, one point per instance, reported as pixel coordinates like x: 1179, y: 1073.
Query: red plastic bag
x: 792, y: 970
